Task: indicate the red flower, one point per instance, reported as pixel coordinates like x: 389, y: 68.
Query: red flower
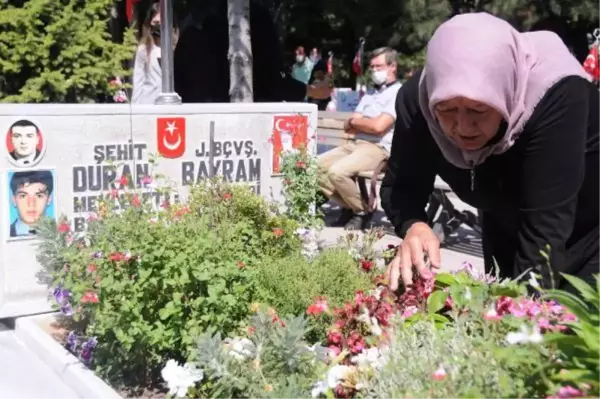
x: 241, y: 265
x: 63, y: 228
x: 117, y: 257
x: 166, y: 204
x: 123, y: 181
x: 278, y: 232
x: 356, y: 342
x: 91, y: 268
x: 366, y: 265
x: 135, y: 201
x: 227, y: 196
x: 319, y: 306
x: 251, y: 330
x: 114, y: 193
x: 503, y: 305
x: 300, y: 164
x: 334, y: 337
x: 90, y: 297
x: 449, y: 302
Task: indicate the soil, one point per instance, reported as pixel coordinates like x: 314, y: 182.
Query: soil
x: 58, y: 327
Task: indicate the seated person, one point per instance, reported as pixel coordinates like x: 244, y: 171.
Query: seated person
x: 31, y: 196
x: 373, y: 124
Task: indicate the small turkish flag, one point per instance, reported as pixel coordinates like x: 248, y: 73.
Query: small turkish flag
x: 170, y: 137
x: 591, y: 64
x: 356, y: 64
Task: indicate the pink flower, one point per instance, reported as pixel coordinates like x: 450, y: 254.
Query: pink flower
x: 319, y: 306
x: 439, y: 374
x: 90, y: 297
x: 491, y: 315
x: 544, y: 324
x: 123, y: 181
x: 91, y: 268
x: 449, y: 302
x: 63, y: 228
x: 334, y: 338
x: 114, y: 193
x: 135, y: 201
x: 278, y: 232
x: 356, y: 342
x: 146, y: 180
x: 568, y: 392
x: 336, y: 350
x: 503, y: 305
x: 409, y: 311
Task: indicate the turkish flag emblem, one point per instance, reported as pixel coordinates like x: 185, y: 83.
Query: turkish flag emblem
x: 170, y: 137
x: 289, y: 131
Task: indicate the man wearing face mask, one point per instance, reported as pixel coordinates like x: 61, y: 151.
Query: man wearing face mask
x: 302, y: 69
x: 373, y: 124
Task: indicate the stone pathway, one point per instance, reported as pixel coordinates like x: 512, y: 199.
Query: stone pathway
x: 23, y: 375
x: 465, y: 245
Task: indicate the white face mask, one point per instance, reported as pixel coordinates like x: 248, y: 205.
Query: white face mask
x: 379, y: 77
x: 299, y: 59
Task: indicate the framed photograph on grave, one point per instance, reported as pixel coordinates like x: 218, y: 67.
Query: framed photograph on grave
x: 25, y: 144
x: 30, y: 197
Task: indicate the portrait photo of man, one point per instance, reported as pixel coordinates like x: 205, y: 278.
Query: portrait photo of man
x: 24, y: 143
x: 31, y: 199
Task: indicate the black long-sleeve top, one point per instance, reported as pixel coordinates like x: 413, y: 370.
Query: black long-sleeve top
x: 543, y: 191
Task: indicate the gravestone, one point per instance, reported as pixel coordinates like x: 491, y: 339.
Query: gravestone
x: 58, y: 160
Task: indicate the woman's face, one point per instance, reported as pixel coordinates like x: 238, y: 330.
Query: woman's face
x: 155, y: 19
x: 470, y: 124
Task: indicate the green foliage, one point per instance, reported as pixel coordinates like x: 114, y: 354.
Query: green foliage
x: 580, y: 350
x: 58, y: 51
x: 273, y: 362
x: 148, y: 282
x: 466, y: 355
x: 290, y: 285
x: 300, y: 186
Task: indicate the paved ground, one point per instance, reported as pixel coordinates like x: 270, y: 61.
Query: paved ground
x: 23, y: 375
x: 465, y: 245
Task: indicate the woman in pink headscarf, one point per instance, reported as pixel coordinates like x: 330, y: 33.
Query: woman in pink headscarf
x: 510, y: 121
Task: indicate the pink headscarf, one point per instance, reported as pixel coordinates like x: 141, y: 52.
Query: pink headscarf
x: 483, y: 58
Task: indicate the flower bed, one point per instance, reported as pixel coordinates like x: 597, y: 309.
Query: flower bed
x: 226, y: 296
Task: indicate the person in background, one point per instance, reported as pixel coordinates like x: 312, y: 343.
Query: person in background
x: 202, y: 67
x: 515, y: 136
x: 315, y: 55
x: 147, y: 73
x: 31, y: 196
x: 302, y: 68
x: 318, y: 75
x: 373, y: 124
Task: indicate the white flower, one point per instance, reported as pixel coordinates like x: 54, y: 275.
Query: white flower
x: 524, y: 336
x: 377, y: 292
x: 533, y: 281
x: 368, y: 358
x: 336, y: 374
x: 364, y: 316
x: 241, y: 348
x: 318, y: 389
x: 180, y: 378
x: 353, y: 252
x: 468, y: 294
x: 375, y: 329
x: 380, y: 263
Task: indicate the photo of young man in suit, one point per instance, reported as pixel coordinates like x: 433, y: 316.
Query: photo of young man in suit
x: 24, y: 143
x: 31, y: 199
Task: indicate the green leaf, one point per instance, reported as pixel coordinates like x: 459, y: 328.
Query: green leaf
x: 586, y: 290
x: 445, y: 279
x: 436, y: 301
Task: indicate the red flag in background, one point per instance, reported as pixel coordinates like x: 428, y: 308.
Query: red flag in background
x: 330, y: 64
x: 357, y: 62
x: 591, y: 64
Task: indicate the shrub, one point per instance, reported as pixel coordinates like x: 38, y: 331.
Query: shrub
x: 453, y: 362
x: 147, y: 282
x: 291, y: 284
x: 301, y: 186
x: 272, y: 361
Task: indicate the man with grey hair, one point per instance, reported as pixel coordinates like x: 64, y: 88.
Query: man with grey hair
x: 373, y: 124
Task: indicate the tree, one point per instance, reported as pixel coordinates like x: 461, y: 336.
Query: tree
x: 58, y: 51
x: 240, y: 51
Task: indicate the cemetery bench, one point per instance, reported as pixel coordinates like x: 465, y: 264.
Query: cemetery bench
x: 441, y: 213
x: 444, y: 224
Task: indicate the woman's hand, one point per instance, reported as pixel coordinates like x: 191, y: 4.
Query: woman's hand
x: 419, y: 240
